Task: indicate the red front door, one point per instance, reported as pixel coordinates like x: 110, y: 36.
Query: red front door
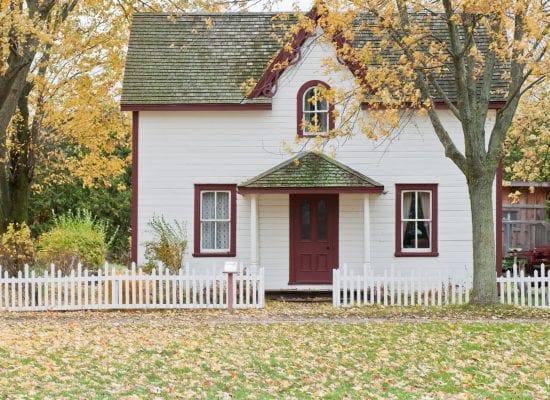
x: 313, y: 238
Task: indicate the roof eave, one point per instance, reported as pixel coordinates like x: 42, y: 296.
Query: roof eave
x: 196, y: 107
x: 310, y: 190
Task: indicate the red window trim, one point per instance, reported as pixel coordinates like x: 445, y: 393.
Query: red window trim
x: 300, y: 110
x: 197, y: 219
x: 399, y: 188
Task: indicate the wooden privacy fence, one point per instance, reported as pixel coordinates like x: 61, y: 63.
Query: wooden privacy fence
x: 394, y: 288
x: 525, y: 291
x: 108, y: 288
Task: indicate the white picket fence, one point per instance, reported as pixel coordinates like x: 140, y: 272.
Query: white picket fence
x: 351, y: 287
x: 525, y: 291
x: 191, y: 287
x: 394, y: 288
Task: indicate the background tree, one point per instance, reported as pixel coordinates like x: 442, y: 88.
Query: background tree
x: 64, y: 144
x: 475, y: 40
x: 527, y: 144
x: 24, y: 27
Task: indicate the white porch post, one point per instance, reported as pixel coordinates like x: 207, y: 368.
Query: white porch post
x: 366, y: 233
x: 254, y: 248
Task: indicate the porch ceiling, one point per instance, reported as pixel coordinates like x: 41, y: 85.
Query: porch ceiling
x: 310, y: 172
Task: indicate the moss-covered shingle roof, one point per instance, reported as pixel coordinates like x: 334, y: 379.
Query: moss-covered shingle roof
x: 205, y: 58
x: 196, y: 58
x: 310, y: 170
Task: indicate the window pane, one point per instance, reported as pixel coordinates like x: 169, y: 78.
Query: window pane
x: 322, y: 121
x: 409, y: 235
x: 208, y: 204
x: 306, y: 220
x: 222, y: 205
x: 308, y: 122
x: 322, y: 104
x: 424, y: 205
x: 309, y: 104
x: 207, y: 235
x: 322, y: 220
x: 408, y: 205
x: 423, y: 235
x: 222, y: 235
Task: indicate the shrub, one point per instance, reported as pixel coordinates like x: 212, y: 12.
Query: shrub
x: 106, y: 203
x: 168, y: 245
x: 75, y: 238
x: 16, y: 248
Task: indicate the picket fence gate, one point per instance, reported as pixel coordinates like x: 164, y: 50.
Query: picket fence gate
x: 108, y: 288
x: 525, y: 291
x: 396, y: 289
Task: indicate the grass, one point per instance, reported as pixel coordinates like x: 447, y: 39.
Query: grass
x: 211, y: 354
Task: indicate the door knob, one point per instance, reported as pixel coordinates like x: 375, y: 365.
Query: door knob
x: 328, y: 247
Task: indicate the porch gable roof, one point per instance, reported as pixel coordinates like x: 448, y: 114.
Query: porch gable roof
x: 311, y: 172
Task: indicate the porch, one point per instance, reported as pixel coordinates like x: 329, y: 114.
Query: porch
x: 307, y: 216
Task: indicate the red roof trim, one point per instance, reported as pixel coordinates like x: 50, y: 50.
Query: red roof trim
x: 440, y: 105
x: 328, y: 190
x: 195, y: 107
x: 267, y: 84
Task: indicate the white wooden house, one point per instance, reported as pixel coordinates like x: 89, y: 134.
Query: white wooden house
x: 206, y: 154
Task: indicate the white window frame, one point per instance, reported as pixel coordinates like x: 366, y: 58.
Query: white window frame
x: 416, y: 220
x: 314, y: 111
x: 215, y: 250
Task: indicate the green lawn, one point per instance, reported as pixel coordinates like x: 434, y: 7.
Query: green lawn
x: 104, y: 355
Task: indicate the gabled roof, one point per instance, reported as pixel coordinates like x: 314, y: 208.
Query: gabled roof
x: 310, y: 170
x: 197, y: 59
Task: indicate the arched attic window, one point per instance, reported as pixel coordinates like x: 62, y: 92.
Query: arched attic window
x: 315, y: 113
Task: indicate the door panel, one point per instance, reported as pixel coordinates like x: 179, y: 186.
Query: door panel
x: 313, y: 238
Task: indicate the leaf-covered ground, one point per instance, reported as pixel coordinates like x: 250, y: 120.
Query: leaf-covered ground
x: 284, y: 351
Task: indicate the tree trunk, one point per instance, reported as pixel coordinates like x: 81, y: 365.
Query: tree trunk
x: 20, y: 183
x: 10, y: 92
x: 483, y: 236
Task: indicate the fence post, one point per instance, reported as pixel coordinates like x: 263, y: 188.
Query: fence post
x: 230, y: 268
x: 261, y: 302
x: 335, y: 289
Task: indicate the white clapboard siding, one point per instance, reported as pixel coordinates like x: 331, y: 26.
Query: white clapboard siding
x: 190, y: 287
x: 179, y: 149
x: 525, y: 291
x: 395, y: 288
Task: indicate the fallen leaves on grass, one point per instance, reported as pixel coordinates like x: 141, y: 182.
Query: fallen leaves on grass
x: 178, y: 355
